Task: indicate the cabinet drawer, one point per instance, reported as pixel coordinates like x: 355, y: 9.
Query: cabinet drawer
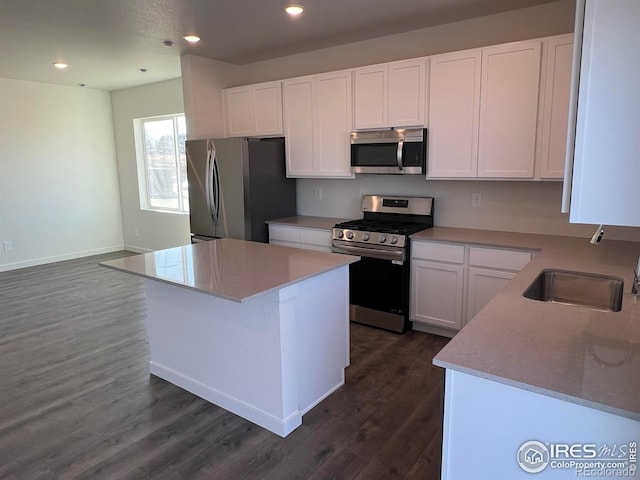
x: 440, y: 252
x: 316, y: 237
x: 287, y: 234
x: 498, y: 258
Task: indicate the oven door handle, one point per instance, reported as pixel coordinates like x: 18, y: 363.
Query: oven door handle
x: 396, y: 256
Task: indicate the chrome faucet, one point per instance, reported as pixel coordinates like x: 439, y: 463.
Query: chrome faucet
x: 636, y: 279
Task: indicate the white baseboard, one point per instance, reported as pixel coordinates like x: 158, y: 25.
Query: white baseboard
x: 133, y: 248
x: 443, y: 332
x: 280, y: 426
x: 59, y: 258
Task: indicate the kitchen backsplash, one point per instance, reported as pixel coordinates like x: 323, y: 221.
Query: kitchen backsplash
x: 529, y: 207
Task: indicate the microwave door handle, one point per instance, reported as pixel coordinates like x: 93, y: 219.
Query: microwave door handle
x: 399, y: 154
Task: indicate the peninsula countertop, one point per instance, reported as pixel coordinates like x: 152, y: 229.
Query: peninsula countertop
x: 584, y: 356
x: 232, y: 269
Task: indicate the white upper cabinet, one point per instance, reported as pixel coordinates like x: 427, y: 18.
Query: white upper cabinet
x: 606, y: 168
x: 483, y: 111
x: 454, y: 111
x: 406, y: 93
x: 390, y: 95
x: 317, y: 123
x: 253, y: 110
x: 238, y: 112
x: 267, y: 108
x: 554, y: 106
x: 371, y: 92
x: 333, y: 124
x: 299, y: 107
x: 509, y: 110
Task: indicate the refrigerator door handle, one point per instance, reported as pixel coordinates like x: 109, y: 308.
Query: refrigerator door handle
x: 216, y: 189
x: 209, y: 186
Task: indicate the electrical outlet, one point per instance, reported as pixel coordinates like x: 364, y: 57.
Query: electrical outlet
x: 318, y: 193
x: 136, y: 232
x: 476, y: 200
x: 7, y: 245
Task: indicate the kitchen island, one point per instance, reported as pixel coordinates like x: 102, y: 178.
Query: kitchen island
x: 257, y: 329
x: 541, y: 375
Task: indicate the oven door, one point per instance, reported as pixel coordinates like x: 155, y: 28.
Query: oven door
x: 378, y: 289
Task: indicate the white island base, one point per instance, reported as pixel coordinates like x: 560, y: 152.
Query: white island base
x: 268, y: 359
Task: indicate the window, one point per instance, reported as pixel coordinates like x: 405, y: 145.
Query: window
x: 162, y: 163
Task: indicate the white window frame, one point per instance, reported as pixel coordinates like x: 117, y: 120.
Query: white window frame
x: 143, y: 166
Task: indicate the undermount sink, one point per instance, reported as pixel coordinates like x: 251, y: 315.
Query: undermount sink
x: 597, y: 292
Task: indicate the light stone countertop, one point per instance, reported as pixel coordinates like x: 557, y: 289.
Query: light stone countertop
x: 302, y: 221
x: 232, y: 269
x: 583, y: 356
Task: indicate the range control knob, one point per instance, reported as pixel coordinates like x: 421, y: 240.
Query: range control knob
x: 350, y: 235
x: 365, y: 236
x: 382, y: 239
x: 394, y: 240
x: 339, y: 233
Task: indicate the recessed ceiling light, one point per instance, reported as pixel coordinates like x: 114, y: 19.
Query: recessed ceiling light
x: 192, y: 38
x: 60, y: 65
x: 142, y: 70
x: 294, y: 10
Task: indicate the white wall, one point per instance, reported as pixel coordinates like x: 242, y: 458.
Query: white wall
x: 156, y: 230
x: 543, y: 20
x: 59, y: 195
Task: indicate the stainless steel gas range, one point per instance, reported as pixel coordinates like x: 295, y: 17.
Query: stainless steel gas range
x: 379, y: 283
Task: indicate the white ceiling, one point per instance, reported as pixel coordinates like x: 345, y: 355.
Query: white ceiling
x: 106, y: 42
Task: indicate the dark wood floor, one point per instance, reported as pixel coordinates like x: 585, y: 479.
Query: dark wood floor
x: 77, y: 400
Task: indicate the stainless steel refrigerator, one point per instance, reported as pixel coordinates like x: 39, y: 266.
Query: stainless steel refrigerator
x: 235, y: 185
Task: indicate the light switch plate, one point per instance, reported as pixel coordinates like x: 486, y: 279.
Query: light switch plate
x: 476, y: 200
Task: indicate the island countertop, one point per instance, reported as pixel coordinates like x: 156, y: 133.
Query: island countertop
x: 576, y: 354
x: 232, y: 269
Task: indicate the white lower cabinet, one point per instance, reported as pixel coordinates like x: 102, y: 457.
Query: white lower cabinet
x: 483, y: 285
x: 437, y: 284
x: 300, y: 237
x: 437, y: 293
x: 451, y: 283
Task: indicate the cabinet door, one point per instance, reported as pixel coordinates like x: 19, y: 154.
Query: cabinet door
x: 333, y: 124
x: 554, y: 106
x: 509, y: 110
x: 299, y: 103
x: 437, y: 293
x: 454, y: 106
x: 371, y: 92
x: 606, y: 164
x: 406, y: 93
x: 483, y: 285
x: 238, y: 112
x: 267, y: 108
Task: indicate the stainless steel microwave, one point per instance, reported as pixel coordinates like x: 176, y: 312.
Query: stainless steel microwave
x: 395, y: 151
